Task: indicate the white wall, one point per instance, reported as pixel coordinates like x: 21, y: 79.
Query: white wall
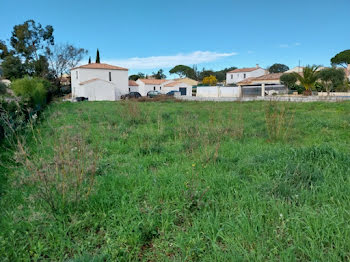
x: 118, y: 77
x: 98, y: 90
x: 232, y: 78
x: 218, y: 91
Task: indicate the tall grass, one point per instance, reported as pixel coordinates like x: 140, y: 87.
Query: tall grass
x: 188, y: 181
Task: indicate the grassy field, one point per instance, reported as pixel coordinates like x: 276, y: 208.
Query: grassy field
x: 180, y: 181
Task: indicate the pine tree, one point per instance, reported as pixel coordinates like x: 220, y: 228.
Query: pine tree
x: 98, y: 56
x: 89, y: 59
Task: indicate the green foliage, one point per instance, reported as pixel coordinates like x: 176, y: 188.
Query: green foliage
x: 221, y: 75
x: 308, y: 78
x: 30, y: 38
x: 13, y: 68
x: 135, y: 77
x: 97, y: 56
x: 32, y: 89
x: 278, y: 68
x: 3, y: 88
x: 183, y: 71
x: 289, y: 80
x: 331, y: 78
x: 342, y: 58
x: 159, y: 75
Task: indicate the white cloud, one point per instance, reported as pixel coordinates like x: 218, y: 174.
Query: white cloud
x: 151, y: 62
x: 289, y: 45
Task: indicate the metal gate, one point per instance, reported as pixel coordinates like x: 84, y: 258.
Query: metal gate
x: 256, y: 90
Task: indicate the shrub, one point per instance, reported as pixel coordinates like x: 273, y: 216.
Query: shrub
x: 3, y: 88
x: 32, y: 89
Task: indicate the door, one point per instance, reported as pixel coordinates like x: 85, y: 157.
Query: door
x: 182, y: 91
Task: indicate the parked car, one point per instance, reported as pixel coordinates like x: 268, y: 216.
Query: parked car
x: 81, y: 98
x: 151, y: 94
x: 172, y: 93
x: 131, y: 95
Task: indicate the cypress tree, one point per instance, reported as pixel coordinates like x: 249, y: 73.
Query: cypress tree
x: 89, y: 59
x: 98, y: 56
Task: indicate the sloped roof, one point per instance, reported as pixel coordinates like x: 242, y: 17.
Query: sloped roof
x: 132, y: 83
x: 172, y: 84
x: 153, y: 81
x: 274, y: 76
x: 101, y: 66
x: 247, y: 69
x: 93, y: 80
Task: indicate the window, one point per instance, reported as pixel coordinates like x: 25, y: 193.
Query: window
x: 129, y: 89
x: 110, y: 76
x: 154, y: 88
x: 76, y: 74
x: 231, y: 76
x: 160, y: 88
x: 244, y: 75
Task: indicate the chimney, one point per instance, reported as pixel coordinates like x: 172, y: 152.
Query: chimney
x: 257, y: 65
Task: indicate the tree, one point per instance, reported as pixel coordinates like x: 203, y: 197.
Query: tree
x: 89, y: 59
x: 63, y: 57
x: 183, y: 71
x: 205, y: 73
x: 331, y: 78
x: 3, y: 50
x: 12, y: 67
x: 159, y: 74
x: 278, y: 68
x: 342, y: 58
x: 137, y: 76
x: 308, y: 78
x: 30, y: 39
x: 98, y: 56
x: 289, y: 80
x: 210, y: 80
x: 28, y: 43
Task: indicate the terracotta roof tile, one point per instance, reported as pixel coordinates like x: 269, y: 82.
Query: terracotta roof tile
x: 93, y: 80
x: 132, y: 83
x: 101, y: 66
x: 172, y: 84
x: 248, y: 69
x: 275, y: 76
x: 152, y: 81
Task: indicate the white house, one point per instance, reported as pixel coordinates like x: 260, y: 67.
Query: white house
x: 133, y: 86
x: 162, y: 85
x: 237, y: 75
x: 146, y: 85
x: 99, y: 82
x: 184, y: 88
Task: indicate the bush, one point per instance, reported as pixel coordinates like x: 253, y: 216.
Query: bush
x: 32, y: 89
x: 13, y: 117
x: 3, y: 88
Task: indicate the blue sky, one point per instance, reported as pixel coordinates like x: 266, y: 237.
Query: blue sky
x: 148, y: 35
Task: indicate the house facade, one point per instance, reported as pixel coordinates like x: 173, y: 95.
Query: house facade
x: 240, y: 74
x: 99, y: 82
x: 162, y: 85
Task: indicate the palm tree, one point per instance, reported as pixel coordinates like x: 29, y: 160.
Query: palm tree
x: 308, y: 78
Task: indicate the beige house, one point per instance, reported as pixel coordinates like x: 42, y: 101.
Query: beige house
x: 188, y: 81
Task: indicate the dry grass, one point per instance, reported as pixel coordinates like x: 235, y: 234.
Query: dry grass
x: 64, y: 175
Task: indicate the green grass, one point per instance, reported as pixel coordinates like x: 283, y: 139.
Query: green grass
x: 191, y: 182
